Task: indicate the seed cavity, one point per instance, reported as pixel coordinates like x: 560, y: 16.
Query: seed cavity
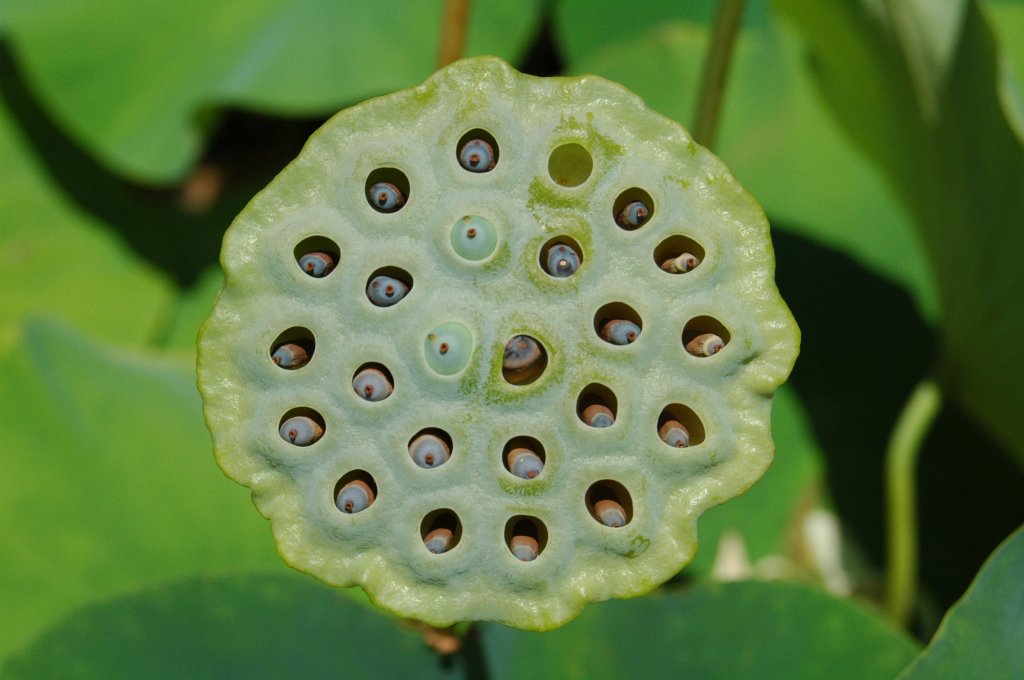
x: 430, y: 448
x: 373, y: 382
x: 617, y: 323
x: 387, y: 189
x: 474, y: 238
x: 526, y: 537
x: 610, y: 503
x: 678, y: 254
x: 633, y: 208
x: 597, y: 406
x: 448, y: 347
x: 524, y: 457
x: 477, y: 151
x: 355, y: 492
x: 679, y: 427
x: 705, y: 336
x: 441, y: 531
x: 561, y: 257
x: 523, y: 360
x: 569, y: 165
x: 293, y: 348
x: 301, y: 426
x: 316, y: 256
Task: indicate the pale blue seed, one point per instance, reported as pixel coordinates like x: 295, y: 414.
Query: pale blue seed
x: 610, y: 513
x: 385, y: 291
x: 477, y: 155
x: 525, y: 548
x: 448, y: 347
x: 520, y: 352
x: 705, y: 345
x: 355, y: 497
x: 372, y: 384
x: 300, y: 430
x: 633, y: 215
x: 598, y: 415
x: 290, y: 355
x: 620, y: 332
x: 681, y: 264
x: 524, y: 463
x: 317, y: 265
x: 674, y: 434
x: 429, y: 451
x: 562, y: 260
x: 474, y: 237
x: 439, y: 540
x: 386, y: 197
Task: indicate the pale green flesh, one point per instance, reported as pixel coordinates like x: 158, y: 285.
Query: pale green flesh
x: 416, y: 131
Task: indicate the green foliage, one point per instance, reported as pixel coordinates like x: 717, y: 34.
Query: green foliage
x: 884, y: 140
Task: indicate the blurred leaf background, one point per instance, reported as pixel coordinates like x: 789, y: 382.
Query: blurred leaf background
x: 885, y: 140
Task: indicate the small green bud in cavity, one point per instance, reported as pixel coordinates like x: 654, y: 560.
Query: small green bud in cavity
x: 474, y: 238
x: 448, y: 348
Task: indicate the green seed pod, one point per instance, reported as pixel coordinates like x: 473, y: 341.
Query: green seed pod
x: 497, y: 348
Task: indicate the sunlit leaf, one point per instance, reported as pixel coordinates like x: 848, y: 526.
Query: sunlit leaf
x: 982, y: 636
x: 108, y: 479
x: 241, y: 626
x: 138, y: 83
x: 738, y: 630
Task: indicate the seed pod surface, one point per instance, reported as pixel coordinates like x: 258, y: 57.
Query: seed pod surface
x: 384, y: 182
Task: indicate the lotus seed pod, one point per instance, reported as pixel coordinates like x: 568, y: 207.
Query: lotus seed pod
x: 474, y: 238
x: 355, y: 496
x: 429, y: 451
x: 317, y: 265
x: 497, y: 350
x: 598, y: 415
x: 290, y: 355
x: 674, y: 434
x: 372, y: 384
x: 681, y: 264
x: 705, y: 345
x: 610, y: 513
x: 524, y: 463
x: 300, y: 430
x: 525, y: 548
x: 439, y: 540
x: 620, y: 332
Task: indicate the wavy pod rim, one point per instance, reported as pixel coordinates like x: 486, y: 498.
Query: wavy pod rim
x: 532, y: 201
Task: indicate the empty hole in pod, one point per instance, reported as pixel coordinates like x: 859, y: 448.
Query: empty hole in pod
x: 373, y: 382
x: 523, y: 360
x: 679, y: 426
x: 597, y: 406
x: 293, y: 348
x: 387, y: 189
x: 570, y: 165
x: 430, y: 447
x: 317, y: 256
x: 526, y: 537
x: 355, y: 492
x: 447, y: 348
x: 301, y: 426
x: 474, y: 238
x: 678, y: 254
x: 617, y: 323
x: 633, y: 209
x: 441, y: 531
x: 561, y: 257
x: 388, y: 286
x: 610, y: 503
x: 524, y: 457
x: 477, y: 151
x: 705, y: 336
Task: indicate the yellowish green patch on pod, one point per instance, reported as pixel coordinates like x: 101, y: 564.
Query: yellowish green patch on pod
x: 384, y: 460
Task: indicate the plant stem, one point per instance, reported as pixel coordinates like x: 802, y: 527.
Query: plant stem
x: 901, y: 464
x: 454, y: 20
x: 716, y: 69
